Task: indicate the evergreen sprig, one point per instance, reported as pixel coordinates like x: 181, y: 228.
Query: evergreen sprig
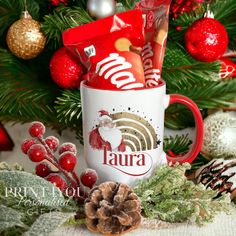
x: 23, y: 101
x: 23, y: 97
x: 196, y: 80
x: 61, y: 19
x: 69, y: 111
x: 178, y: 145
x: 169, y: 196
x: 224, y: 11
x: 68, y: 107
x: 199, y: 161
x: 78, y: 3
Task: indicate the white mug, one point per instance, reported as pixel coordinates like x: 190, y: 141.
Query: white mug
x: 123, y: 131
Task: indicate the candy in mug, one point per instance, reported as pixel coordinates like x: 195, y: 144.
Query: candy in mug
x: 155, y: 14
x: 123, y: 131
x: 106, y: 46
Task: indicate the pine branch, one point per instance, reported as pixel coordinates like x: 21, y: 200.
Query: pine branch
x: 62, y: 19
x: 69, y: 107
x: 22, y: 96
x: 176, y: 118
x: 186, y: 72
x: 225, y: 11
x: 178, y: 144
x: 183, y: 22
x: 196, y: 80
x: 78, y: 3
x: 197, y: 163
x: 69, y: 111
x: 210, y: 95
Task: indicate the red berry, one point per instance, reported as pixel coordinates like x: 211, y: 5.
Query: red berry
x: 65, y: 147
x: 67, y: 161
x: 206, y: 40
x: 37, y: 129
x: 27, y: 144
x: 42, y: 170
x: 89, y: 178
x: 37, y: 153
x: 52, y: 143
x: 58, y: 181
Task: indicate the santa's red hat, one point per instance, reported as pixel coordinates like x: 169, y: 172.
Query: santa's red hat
x: 104, y: 115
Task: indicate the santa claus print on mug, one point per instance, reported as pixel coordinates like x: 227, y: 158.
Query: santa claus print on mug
x: 123, y: 131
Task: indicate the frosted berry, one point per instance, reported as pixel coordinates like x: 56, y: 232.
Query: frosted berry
x: 42, y: 170
x: 37, y: 153
x: 89, y: 178
x: 67, y: 161
x: 52, y: 143
x: 58, y: 181
x: 206, y: 40
x: 67, y: 147
x: 27, y: 144
x: 37, y: 129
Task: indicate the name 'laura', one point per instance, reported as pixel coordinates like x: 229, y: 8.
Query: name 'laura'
x: 123, y: 159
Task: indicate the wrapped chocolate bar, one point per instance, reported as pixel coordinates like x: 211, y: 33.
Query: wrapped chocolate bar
x: 105, y: 48
x: 155, y: 14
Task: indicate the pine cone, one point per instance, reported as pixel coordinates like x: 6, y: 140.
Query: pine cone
x: 218, y: 175
x: 112, y: 208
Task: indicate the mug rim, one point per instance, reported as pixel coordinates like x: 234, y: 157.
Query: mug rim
x: 83, y: 83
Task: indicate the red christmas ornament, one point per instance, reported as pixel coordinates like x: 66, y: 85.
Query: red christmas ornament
x: 6, y: 143
x: 65, y: 70
x: 228, y: 68
x: 206, y: 40
x: 179, y: 7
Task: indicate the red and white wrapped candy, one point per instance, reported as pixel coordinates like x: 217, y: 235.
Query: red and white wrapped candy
x: 155, y: 14
x: 105, y: 48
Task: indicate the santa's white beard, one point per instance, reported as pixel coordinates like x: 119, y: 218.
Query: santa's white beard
x: 111, y: 135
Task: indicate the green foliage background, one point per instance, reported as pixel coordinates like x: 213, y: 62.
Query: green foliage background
x: 27, y: 92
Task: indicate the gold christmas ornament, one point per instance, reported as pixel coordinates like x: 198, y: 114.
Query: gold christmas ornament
x: 219, y: 139
x: 24, y: 38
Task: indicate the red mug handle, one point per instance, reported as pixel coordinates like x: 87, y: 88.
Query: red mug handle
x: 196, y: 147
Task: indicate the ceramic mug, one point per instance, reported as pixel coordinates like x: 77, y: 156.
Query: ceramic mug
x: 123, y: 131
